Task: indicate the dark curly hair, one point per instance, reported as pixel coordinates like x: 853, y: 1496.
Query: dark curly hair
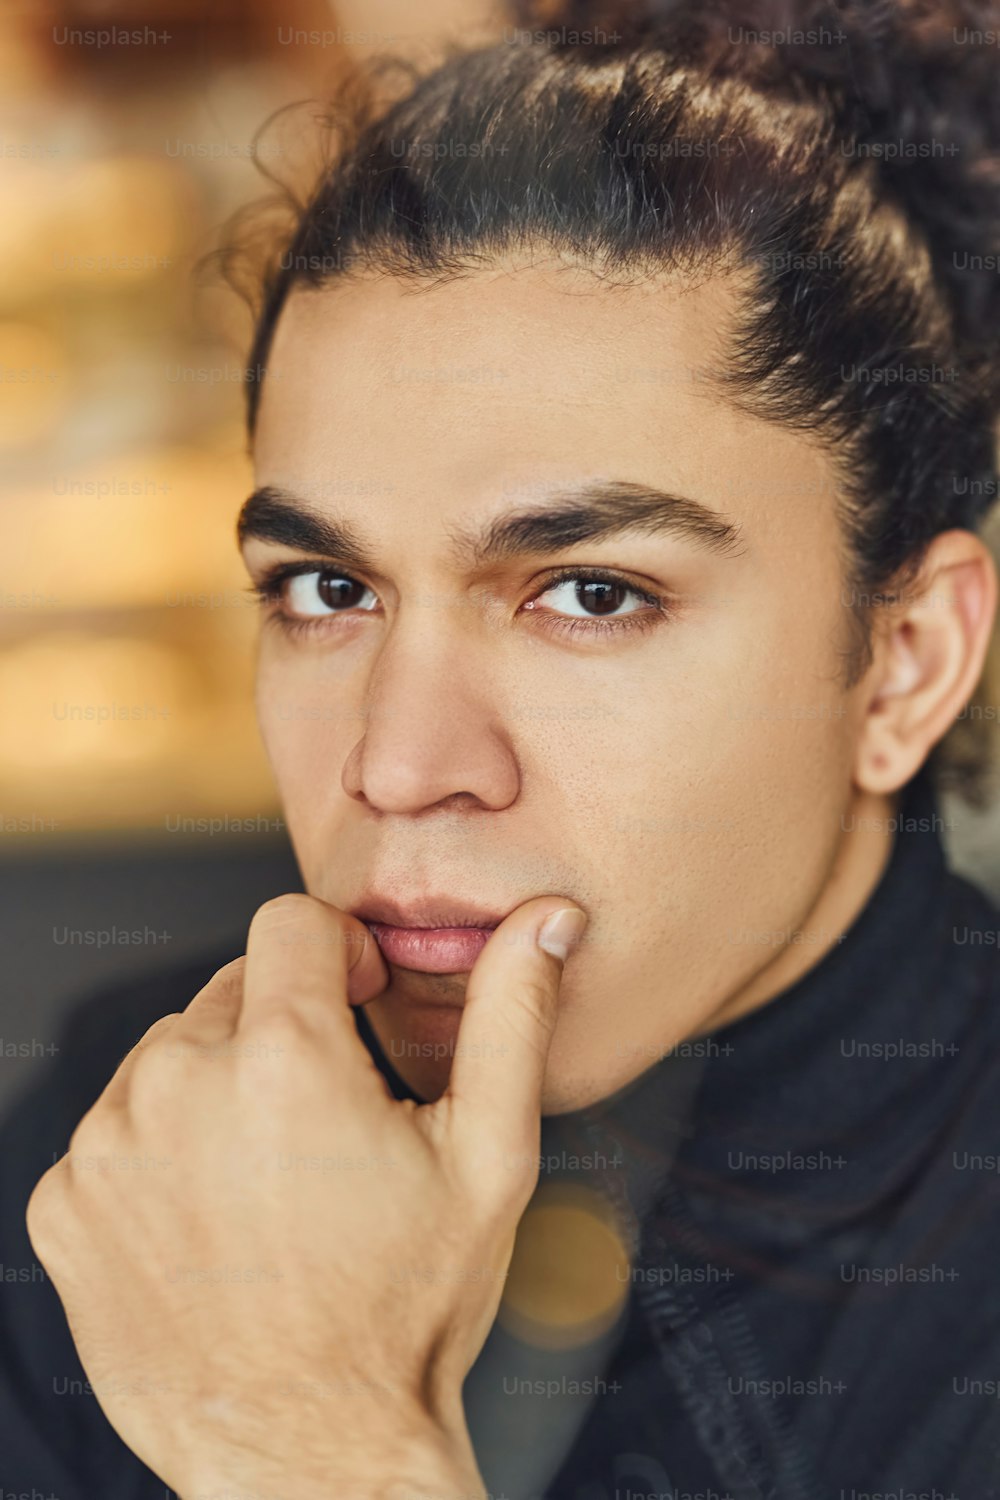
x: 840, y: 159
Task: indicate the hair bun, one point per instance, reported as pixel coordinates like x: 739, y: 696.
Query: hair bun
x: 911, y: 86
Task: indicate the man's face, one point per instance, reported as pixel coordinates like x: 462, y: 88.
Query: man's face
x: 471, y: 728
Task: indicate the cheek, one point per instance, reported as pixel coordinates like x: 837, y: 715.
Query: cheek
x: 308, y: 726
x: 721, y: 817
x: 766, y: 764
x: 728, y: 842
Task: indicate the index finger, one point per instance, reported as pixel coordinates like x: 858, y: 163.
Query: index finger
x: 310, y: 958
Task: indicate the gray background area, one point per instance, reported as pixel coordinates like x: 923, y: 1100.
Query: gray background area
x: 202, y: 894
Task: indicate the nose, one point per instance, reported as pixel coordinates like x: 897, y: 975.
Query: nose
x: 434, y: 734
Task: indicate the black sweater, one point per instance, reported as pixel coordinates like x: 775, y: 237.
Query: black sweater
x: 813, y: 1198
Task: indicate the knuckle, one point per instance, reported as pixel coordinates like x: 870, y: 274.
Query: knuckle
x: 158, y: 1027
x: 154, y: 1077
x: 222, y: 996
x: 42, y: 1210
x: 87, y: 1135
x: 229, y: 979
x: 156, y: 1048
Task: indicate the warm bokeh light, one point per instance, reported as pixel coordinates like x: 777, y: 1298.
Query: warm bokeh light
x: 570, y: 1271
x: 37, y: 380
x: 126, y: 632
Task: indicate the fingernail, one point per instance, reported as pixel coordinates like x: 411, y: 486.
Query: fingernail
x: 561, y: 929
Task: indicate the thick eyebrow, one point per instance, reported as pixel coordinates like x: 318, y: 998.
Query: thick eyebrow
x: 274, y: 515
x: 589, y: 514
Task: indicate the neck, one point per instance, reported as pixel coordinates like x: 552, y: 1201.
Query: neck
x: 860, y: 860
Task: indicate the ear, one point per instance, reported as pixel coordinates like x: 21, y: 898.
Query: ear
x: 928, y: 656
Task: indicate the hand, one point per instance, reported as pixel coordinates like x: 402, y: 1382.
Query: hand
x: 238, y: 1228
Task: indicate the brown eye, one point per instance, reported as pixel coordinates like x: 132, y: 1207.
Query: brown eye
x: 583, y: 598
x: 601, y: 598
x: 325, y: 592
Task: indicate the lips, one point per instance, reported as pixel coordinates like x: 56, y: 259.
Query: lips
x: 433, y: 937
x: 436, y: 914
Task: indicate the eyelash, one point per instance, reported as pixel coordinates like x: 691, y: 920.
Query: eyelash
x: 270, y: 590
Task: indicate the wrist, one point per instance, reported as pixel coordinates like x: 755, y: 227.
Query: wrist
x: 424, y: 1465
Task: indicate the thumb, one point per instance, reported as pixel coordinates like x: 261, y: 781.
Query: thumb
x: 494, y: 1092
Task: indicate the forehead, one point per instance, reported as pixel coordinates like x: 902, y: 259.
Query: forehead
x: 508, y: 380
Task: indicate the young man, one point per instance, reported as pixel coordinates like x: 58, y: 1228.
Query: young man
x: 466, y: 747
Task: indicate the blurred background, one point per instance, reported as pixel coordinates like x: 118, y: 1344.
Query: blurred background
x: 135, y: 800
x: 134, y: 795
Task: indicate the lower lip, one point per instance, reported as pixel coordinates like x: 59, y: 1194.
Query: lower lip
x: 432, y: 950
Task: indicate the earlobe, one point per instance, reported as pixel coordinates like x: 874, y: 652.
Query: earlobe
x: 928, y: 658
